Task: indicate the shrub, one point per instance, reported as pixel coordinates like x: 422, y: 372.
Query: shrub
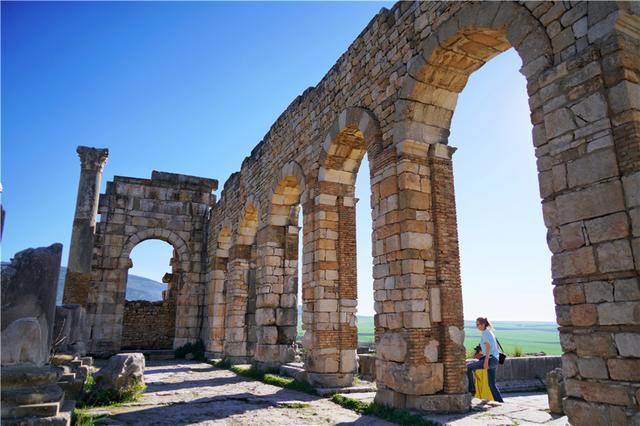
x: 92, y: 396
x: 196, y: 348
x: 517, y: 351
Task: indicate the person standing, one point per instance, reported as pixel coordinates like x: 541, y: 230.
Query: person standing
x: 489, y: 360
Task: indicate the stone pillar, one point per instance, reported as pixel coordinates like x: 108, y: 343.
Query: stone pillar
x: 445, y: 294
x: 235, y: 344
x: 78, y: 277
x: 411, y: 352
x: 330, y: 289
x: 276, y: 299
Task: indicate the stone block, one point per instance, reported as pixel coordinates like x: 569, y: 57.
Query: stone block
x: 441, y: 403
x: 605, y: 393
x: 390, y: 398
x: 614, y: 256
x: 286, y: 316
x: 265, y: 316
x: 627, y: 370
x: 416, y: 320
x: 573, y: 263
x: 267, y: 335
x: 619, y: 313
x: 326, y: 305
x: 596, y: 200
x: 555, y: 390
x: 626, y: 290
x: 628, y: 344
x: 392, y: 347
x: 592, y: 368
x: 422, y: 379
x: 121, y: 372
x: 584, y: 315
x: 29, y: 285
x: 583, y: 413
x: 610, y: 227
x: 598, y: 291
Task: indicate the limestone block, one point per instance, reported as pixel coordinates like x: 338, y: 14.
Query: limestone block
x: 392, y: 347
x: 22, y: 343
x: 558, y: 122
x: 288, y: 316
x: 390, y: 398
x: 265, y: 316
x: 29, y: 285
x: 605, y: 393
x: 619, y: 313
x: 597, y: 200
x: 584, y: 315
x: 569, y: 365
x: 69, y: 328
x: 577, y: 262
x: 614, y: 256
x: 593, y: 368
x: 441, y: 403
x: 598, y: 291
x: 326, y: 305
x: 431, y: 351
x: 555, y: 390
x: 416, y: 320
x: 424, y: 379
x: 348, y: 361
x: 626, y: 290
x: 121, y: 372
x: 268, y: 300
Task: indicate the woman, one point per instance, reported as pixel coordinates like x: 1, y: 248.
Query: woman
x: 489, y: 360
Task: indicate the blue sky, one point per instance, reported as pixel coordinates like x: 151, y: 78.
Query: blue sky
x: 192, y: 87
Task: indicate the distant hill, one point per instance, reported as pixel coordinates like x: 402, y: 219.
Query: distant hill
x: 138, y: 288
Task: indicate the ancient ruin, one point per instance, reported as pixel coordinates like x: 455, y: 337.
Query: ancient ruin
x: 391, y: 96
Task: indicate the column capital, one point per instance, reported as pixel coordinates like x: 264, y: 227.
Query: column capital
x: 92, y: 158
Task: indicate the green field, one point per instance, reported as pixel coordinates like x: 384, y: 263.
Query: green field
x: 529, y: 336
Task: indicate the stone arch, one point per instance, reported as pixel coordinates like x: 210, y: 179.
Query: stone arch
x: 452, y: 52
x: 354, y: 132
x: 179, y: 245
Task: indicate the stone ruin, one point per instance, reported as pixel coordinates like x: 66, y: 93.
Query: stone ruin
x: 31, y: 387
x: 391, y: 96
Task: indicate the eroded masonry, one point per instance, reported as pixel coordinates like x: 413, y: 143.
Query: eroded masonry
x: 391, y: 96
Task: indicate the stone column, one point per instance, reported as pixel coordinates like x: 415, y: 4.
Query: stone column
x: 329, y: 291
x: 276, y: 288
x: 78, y: 277
x: 235, y: 343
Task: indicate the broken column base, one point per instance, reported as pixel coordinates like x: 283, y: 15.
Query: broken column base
x: 438, y: 403
x: 31, y: 396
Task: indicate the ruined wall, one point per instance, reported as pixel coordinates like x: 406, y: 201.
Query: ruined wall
x: 169, y: 207
x: 392, y: 95
x: 148, y: 325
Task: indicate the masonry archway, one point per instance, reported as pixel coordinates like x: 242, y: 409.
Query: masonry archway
x: 151, y: 325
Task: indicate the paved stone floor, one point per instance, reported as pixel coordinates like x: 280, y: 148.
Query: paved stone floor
x: 191, y: 393
x: 188, y: 393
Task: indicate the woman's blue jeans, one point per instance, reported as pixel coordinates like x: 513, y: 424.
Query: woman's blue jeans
x: 479, y: 364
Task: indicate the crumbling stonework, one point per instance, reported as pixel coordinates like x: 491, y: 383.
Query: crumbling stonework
x: 392, y: 96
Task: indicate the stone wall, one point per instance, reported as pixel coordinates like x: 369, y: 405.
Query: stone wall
x: 169, y: 207
x: 392, y: 95
x: 148, y: 325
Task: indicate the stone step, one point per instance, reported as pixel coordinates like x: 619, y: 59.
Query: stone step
x: 33, y: 395
x: 14, y: 376
x: 159, y: 354
x: 47, y: 409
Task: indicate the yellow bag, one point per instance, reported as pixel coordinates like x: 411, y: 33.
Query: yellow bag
x: 482, y: 385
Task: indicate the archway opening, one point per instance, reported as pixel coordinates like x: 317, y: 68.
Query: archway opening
x: 504, y: 258
x: 150, y: 299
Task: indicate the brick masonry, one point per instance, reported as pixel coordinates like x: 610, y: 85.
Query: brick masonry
x: 391, y: 95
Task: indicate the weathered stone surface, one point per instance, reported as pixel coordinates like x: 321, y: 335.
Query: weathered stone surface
x: 425, y: 379
x: 392, y: 347
x: 29, y: 285
x: 628, y: 344
x: 555, y: 390
x: 122, y: 372
x: 69, y: 328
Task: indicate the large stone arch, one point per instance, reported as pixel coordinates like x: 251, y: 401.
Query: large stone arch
x: 168, y: 207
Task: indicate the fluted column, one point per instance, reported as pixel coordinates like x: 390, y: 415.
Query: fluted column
x: 76, y: 286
